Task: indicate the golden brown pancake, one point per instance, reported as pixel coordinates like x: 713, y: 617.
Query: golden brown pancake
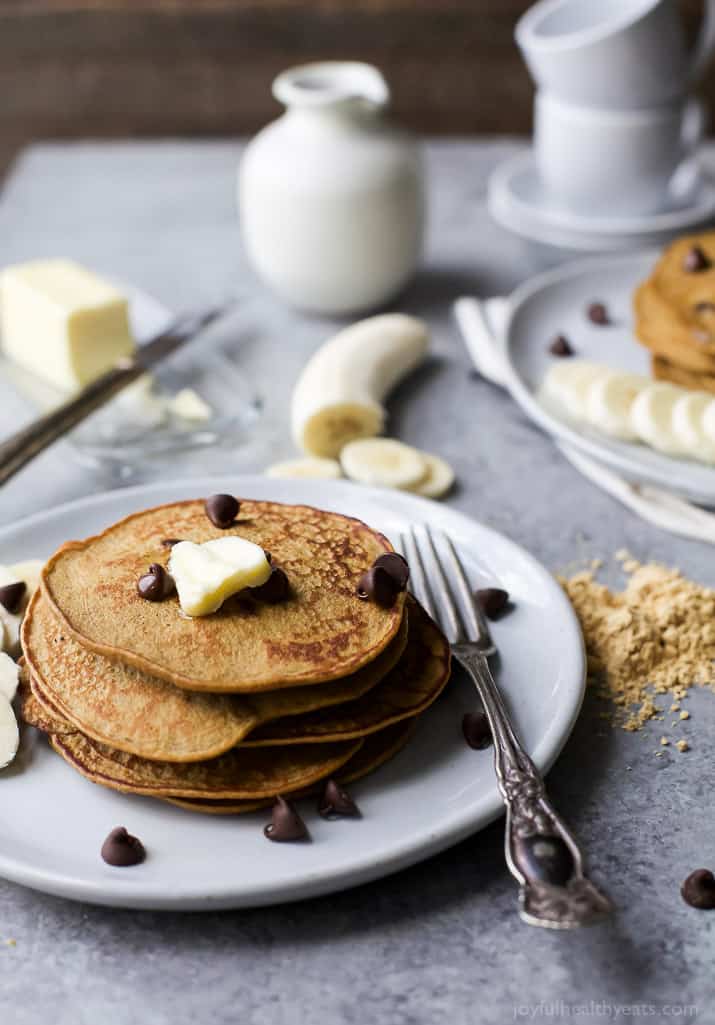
x: 377, y: 749
x: 662, y: 370
x: 128, y: 709
x: 411, y: 687
x: 322, y: 632
x: 240, y: 773
x: 675, y: 308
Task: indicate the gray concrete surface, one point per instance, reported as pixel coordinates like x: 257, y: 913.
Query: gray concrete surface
x: 441, y: 941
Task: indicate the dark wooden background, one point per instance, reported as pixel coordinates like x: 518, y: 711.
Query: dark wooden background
x: 109, y: 68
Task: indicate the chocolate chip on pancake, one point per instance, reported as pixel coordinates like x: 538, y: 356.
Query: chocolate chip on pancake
x: 335, y: 802
x: 378, y: 586
x: 156, y: 585
x: 396, y: 566
x: 275, y: 589
x: 121, y: 849
x: 11, y: 595
x: 695, y: 260
x: 286, y: 825
x: 222, y: 510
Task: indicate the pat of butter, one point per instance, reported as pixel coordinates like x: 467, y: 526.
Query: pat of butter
x: 207, y: 574
x: 62, y: 322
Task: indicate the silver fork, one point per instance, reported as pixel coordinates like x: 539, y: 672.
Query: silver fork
x: 541, y: 852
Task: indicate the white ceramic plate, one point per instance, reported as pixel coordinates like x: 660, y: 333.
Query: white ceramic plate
x: 437, y: 791
x: 555, y: 303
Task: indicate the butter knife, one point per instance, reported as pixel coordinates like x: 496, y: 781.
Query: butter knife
x: 19, y: 449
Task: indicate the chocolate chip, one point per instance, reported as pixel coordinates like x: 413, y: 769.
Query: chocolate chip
x: 169, y: 542
x: 275, y: 589
x: 704, y: 307
x: 492, y: 601
x: 698, y: 890
x: 561, y: 346
x: 379, y: 586
x: 544, y: 857
x: 286, y: 825
x: 396, y: 566
x: 269, y: 557
x: 11, y: 595
x: 157, y: 584
x: 336, y: 802
x: 695, y: 260
x: 121, y: 849
x: 222, y: 510
x: 598, y: 314
x: 475, y: 727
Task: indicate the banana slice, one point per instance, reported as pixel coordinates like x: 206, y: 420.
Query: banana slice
x: 567, y: 383
x: 30, y: 571
x: 652, y: 417
x: 708, y: 423
x: 323, y: 469
x: 383, y: 462
x: 9, y: 733
x: 688, y: 416
x: 609, y: 398
x: 9, y: 676
x: 438, y: 480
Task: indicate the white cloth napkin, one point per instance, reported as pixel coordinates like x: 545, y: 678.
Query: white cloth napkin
x: 481, y: 324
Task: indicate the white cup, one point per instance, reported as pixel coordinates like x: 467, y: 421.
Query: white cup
x: 613, y: 162
x: 619, y: 54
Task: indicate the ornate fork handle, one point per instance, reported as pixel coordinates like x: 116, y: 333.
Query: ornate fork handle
x: 541, y: 852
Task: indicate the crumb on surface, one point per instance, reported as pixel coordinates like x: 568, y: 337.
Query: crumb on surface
x: 683, y: 745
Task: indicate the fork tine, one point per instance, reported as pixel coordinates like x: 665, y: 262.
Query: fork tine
x: 418, y: 577
x: 478, y: 629
x: 448, y: 606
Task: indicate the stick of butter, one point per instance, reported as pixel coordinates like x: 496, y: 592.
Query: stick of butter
x: 62, y: 322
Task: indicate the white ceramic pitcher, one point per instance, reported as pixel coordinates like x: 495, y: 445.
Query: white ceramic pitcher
x: 331, y: 195
x: 619, y: 54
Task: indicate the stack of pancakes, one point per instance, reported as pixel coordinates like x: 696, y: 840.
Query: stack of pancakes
x: 675, y: 313
x: 222, y: 713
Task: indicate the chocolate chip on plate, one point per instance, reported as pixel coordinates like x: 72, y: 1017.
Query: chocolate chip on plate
x: 544, y: 857
x: 561, y: 346
x: 695, y: 260
x: 598, y: 314
x: 11, y: 595
x: 492, y: 601
x: 169, y: 542
x: 275, y: 589
x: 286, y: 825
x: 121, y: 849
x: 335, y: 802
x: 377, y: 585
x: 222, y: 510
x: 396, y: 566
x: 698, y: 890
x: 157, y: 584
x: 475, y: 727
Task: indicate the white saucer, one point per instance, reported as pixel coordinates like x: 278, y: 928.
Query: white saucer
x: 434, y: 793
x: 518, y: 202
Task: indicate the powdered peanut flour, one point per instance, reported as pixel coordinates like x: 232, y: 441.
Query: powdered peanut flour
x: 654, y: 637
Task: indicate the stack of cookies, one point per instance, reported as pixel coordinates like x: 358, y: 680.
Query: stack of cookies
x: 675, y: 313
x: 319, y: 673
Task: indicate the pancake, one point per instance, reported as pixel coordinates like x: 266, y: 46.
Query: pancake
x: 411, y: 687
x: 322, y: 632
x: 240, y: 773
x: 675, y: 308
x: 662, y: 370
x: 374, y: 752
x: 132, y: 711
